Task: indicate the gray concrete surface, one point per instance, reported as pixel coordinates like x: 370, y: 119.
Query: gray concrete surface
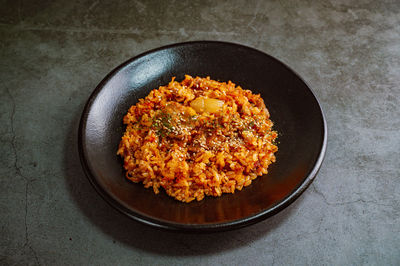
x: 54, y: 53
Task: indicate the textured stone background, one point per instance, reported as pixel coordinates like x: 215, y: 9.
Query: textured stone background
x: 54, y: 53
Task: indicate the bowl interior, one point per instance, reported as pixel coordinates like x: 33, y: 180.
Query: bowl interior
x: 293, y: 107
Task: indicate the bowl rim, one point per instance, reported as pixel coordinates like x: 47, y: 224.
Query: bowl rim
x: 209, y: 227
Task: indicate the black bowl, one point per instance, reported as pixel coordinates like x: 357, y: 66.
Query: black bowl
x: 294, y: 109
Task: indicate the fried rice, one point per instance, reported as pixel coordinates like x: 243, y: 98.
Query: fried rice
x: 197, y: 137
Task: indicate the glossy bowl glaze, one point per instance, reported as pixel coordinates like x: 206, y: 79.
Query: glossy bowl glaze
x: 294, y: 109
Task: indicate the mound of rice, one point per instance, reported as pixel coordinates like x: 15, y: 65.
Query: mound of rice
x: 197, y: 137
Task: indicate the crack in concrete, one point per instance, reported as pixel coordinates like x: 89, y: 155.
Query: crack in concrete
x: 254, y: 17
x: 306, y: 234
x: 346, y: 202
x: 19, y: 173
x: 273, y: 258
x: 135, y: 31
x: 287, y: 10
x: 17, y: 168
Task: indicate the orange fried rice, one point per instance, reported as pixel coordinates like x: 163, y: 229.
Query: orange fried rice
x: 197, y: 137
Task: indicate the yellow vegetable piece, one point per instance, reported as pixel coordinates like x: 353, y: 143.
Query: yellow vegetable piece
x: 206, y: 105
x: 190, y: 111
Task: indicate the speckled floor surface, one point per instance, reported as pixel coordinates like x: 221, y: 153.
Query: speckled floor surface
x: 54, y: 53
